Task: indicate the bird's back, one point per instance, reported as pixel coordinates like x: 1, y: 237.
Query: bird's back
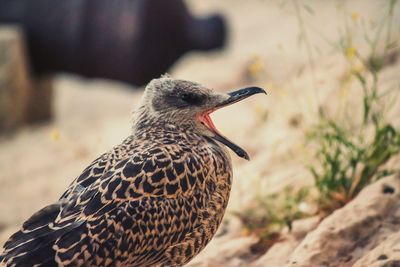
x: 156, y: 199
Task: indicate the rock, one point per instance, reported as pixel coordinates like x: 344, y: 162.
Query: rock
x: 23, y: 99
x: 233, y: 253
x: 386, y: 254
x: 231, y: 249
x: 279, y: 253
x: 363, y: 233
x: 14, y: 78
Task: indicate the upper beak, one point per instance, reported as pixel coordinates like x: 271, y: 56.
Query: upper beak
x: 240, y: 94
x: 234, y: 97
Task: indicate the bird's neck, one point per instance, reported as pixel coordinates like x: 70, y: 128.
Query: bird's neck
x: 147, y: 121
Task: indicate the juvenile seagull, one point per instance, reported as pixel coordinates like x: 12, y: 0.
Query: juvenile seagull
x: 156, y: 199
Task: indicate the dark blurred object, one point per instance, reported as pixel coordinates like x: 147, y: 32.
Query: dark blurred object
x: 23, y: 98
x: 127, y: 40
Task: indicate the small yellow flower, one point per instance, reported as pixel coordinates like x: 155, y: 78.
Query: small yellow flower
x: 246, y: 232
x: 358, y: 68
x: 355, y: 16
x: 259, y: 109
x: 351, y: 52
x: 261, y: 112
x: 255, y: 67
x: 55, y: 134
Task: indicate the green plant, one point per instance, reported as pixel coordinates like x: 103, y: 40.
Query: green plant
x: 348, y: 163
x: 270, y: 214
x: 352, y: 155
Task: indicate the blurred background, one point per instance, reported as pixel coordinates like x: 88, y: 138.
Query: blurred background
x: 328, y: 128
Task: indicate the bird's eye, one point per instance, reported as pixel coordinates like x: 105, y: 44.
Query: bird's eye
x: 191, y: 98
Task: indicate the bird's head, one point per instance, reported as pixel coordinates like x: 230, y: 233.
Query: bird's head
x: 188, y: 105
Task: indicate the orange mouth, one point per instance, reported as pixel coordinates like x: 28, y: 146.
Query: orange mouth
x: 206, y: 120
x: 233, y: 97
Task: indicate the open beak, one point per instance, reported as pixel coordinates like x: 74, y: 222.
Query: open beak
x: 234, y: 97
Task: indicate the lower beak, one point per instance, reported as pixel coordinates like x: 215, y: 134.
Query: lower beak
x: 234, y: 97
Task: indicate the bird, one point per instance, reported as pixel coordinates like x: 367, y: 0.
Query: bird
x: 156, y: 199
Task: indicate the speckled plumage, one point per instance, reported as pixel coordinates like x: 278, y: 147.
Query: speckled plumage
x: 156, y: 199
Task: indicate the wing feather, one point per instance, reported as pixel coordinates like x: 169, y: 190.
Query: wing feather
x: 138, y: 204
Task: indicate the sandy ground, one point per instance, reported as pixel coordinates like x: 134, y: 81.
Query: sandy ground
x: 37, y: 163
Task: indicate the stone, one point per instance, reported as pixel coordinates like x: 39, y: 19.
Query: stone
x: 386, y: 253
x: 280, y: 252
x: 363, y: 233
x: 14, y: 78
x: 23, y: 98
x: 232, y: 252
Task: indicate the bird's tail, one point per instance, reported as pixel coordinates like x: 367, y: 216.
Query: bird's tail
x: 33, y: 243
